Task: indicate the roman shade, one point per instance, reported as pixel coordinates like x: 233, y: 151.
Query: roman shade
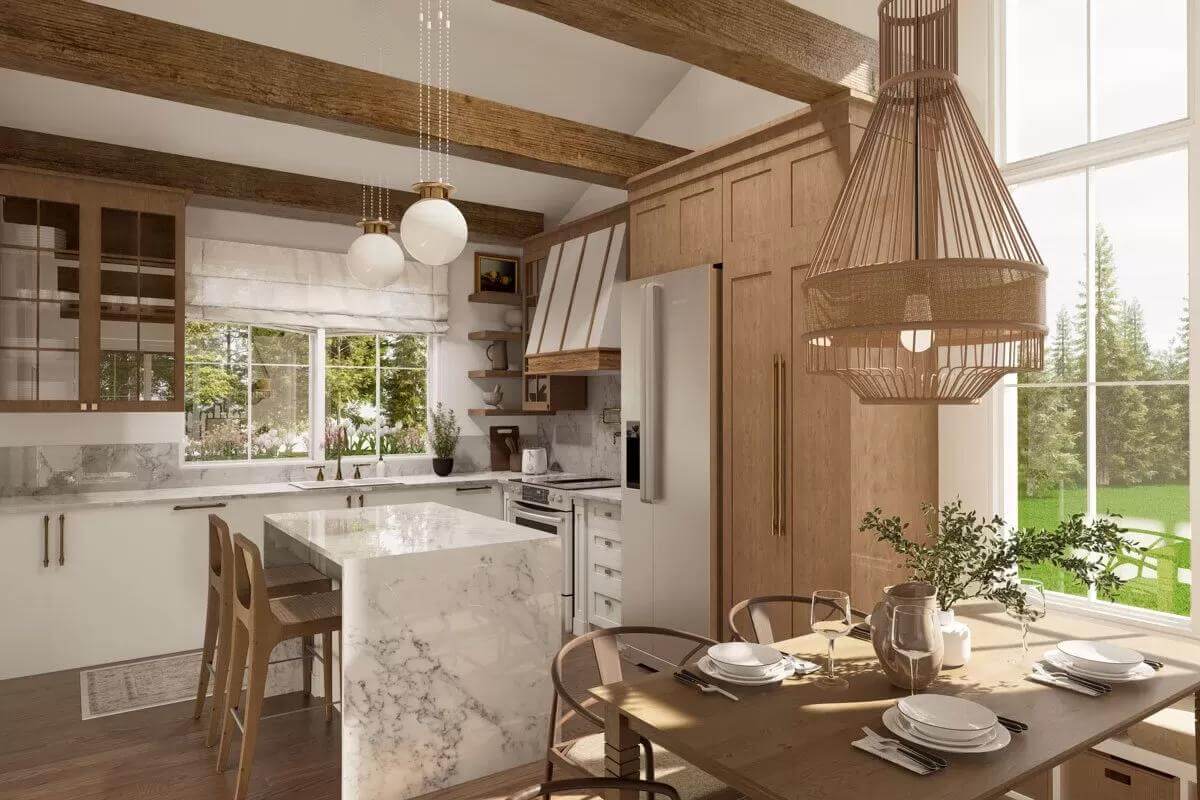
x: 281, y: 286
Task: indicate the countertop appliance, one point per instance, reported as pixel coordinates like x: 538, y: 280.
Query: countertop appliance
x: 670, y: 505
x: 533, y: 461
x: 541, y: 502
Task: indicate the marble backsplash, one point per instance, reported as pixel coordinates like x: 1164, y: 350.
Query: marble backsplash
x: 580, y: 441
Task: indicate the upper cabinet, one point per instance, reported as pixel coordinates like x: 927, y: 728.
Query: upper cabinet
x: 91, y: 295
x: 676, y: 229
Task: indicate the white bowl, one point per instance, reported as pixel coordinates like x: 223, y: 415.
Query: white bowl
x: 1105, y: 658
x: 952, y: 719
x: 745, y: 659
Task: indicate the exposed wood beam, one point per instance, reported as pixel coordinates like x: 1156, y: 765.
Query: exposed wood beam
x: 101, y: 46
x: 770, y: 44
x: 223, y: 185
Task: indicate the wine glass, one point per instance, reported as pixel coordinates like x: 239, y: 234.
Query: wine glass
x: 916, y: 633
x: 831, y: 618
x: 1031, y: 609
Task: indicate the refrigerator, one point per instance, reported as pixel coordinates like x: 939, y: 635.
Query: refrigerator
x: 671, y: 475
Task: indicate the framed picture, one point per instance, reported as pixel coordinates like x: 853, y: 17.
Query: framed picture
x: 495, y: 273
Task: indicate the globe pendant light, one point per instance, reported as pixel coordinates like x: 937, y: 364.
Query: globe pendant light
x: 926, y: 286
x: 375, y: 259
x: 433, y: 231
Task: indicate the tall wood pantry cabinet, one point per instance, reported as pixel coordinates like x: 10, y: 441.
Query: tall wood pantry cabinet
x: 91, y: 294
x: 802, y: 458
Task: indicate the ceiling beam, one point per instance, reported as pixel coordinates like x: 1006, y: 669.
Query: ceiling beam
x: 101, y: 46
x: 237, y: 187
x: 770, y: 44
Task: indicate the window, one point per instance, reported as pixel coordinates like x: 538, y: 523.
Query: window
x: 375, y: 398
x: 1089, y: 87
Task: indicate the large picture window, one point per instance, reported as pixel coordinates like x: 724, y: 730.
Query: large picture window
x: 375, y: 399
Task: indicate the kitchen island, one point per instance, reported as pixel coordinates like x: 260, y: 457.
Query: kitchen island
x: 449, y: 622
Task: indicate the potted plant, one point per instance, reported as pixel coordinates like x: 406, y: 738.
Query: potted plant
x: 966, y: 557
x: 443, y: 438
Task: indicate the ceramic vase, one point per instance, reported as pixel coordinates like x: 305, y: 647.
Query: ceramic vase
x: 956, y: 640
x: 443, y: 466
x: 896, y: 666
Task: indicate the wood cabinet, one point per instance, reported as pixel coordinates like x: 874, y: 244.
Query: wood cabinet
x: 91, y: 294
x: 802, y: 458
x: 1098, y: 776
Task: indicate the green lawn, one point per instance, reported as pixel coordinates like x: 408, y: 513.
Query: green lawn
x: 1155, y: 507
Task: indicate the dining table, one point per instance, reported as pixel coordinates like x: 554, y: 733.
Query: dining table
x: 792, y: 740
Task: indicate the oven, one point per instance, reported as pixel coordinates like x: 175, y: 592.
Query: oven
x: 548, y: 516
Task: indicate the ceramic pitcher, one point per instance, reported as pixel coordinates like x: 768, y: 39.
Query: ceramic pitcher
x: 894, y: 664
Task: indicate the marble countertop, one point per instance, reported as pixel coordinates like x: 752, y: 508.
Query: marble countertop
x: 347, y: 534
x: 612, y: 495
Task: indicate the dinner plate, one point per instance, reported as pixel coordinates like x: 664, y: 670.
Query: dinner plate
x: 745, y: 659
x: 956, y: 718
x: 1141, y: 672
x: 894, y: 721
x: 1103, y: 658
x: 710, y: 669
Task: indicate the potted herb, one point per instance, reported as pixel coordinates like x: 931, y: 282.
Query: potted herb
x: 965, y: 557
x: 443, y: 438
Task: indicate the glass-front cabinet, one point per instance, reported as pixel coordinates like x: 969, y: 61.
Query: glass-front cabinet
x: 91, y: 294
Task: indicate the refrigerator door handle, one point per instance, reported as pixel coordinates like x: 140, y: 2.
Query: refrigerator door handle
x: 649, y: 369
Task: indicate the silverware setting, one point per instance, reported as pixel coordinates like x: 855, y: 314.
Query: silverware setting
x: 1094, y: 687
x: 859, y: 632
x: 692, y: 679
x: 1013, y: 725
x: 931, y: 762
x: 1154, y: 665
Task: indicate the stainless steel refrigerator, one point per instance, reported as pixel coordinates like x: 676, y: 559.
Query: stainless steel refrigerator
x: 670, y: 410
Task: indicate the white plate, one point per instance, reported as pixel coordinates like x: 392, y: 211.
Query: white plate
x: 1104, y: 658
x: 939, y: 737
x: 1139, y: 673
x: 710, y: 669
x: 955, y: 717
x: 894, y: 721
x: 745, y: 659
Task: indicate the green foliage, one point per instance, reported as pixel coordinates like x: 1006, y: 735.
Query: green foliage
x: 444, y: 432
x: 967, y: 557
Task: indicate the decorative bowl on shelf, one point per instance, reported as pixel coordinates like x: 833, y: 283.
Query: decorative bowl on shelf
x: 513, y: 318
x: 494, y: 397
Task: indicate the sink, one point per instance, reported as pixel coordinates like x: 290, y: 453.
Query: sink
x: 347, y: 483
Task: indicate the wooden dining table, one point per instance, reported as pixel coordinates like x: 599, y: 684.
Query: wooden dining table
x: 792, y: 741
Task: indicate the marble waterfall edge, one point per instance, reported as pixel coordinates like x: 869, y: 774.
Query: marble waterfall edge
x: 446, y: 661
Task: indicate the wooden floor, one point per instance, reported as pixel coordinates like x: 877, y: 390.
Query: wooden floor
x: 48, y: 753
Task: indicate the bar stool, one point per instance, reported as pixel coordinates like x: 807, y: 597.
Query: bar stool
x: 260, y: 622
x: 218, y: 621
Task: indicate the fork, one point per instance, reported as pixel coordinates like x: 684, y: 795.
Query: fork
x: 923, y: 757
x: 1065, y: 677
x: 684, y: 676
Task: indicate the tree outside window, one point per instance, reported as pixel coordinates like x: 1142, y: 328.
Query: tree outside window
x: 375, y: 394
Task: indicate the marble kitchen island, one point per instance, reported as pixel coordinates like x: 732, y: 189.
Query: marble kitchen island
x: 449, y: 622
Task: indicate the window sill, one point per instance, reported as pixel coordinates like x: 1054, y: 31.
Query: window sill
x: 1123, y: 616
x: 366, y: 458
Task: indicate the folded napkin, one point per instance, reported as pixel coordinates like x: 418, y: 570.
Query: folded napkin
x: 803, y: 666
x: 890, y: 754
x: 1058, y: 683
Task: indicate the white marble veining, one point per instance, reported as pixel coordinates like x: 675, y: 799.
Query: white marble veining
x: 449, y: 622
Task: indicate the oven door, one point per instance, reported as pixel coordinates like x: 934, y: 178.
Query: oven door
x: 550, y: 520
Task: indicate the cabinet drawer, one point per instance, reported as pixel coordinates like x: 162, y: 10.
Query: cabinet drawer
x: 1098, y: 776
x: 606, y: 581
x: 605, y: 518
x: 605, y: 551
x: 606, y: 611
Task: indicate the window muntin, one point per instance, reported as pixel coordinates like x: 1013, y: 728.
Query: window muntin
x: 375, y: 394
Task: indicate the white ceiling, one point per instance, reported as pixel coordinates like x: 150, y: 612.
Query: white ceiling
x: 499, y: 53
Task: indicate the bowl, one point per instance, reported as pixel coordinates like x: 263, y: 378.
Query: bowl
x: 744, y: 659
x: 1105, y: 658
x: 952, y: 719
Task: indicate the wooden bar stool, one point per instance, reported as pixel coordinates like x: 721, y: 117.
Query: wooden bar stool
x: 260, y: 622
x: 218, y: 621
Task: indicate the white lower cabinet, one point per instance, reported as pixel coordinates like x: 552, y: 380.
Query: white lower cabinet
x: 602, y: 574
x: 132, y: 579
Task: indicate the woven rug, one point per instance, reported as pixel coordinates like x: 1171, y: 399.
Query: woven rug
x: 131, y: 686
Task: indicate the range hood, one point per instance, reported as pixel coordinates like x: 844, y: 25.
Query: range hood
x: 576, y: 328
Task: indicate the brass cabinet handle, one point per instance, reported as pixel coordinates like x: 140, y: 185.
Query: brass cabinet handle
x: 783, y: 452
x: 62, y: 537
x: 196, y: 506
x: 45, y: 541
x: 774, y: 444
x: 349, y: 502
x: 463, y: 489
x: 361, y: 500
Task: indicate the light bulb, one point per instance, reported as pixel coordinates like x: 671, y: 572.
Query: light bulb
x: 375, y: 260
x: 433, y: 231
x: 916, y: 341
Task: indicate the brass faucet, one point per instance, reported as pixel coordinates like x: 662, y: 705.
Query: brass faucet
x: 339, y: 467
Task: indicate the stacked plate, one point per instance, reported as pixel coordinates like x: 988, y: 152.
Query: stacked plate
x: 946, y: 723
x: 745, y: 663
x: 1101, y: 661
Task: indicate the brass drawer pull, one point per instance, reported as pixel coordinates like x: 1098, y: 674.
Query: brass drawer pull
x: 62, y: 536
x: 197, y: 506
x: 45, y: 541
x: 461, y: 489
x: 783, y: 454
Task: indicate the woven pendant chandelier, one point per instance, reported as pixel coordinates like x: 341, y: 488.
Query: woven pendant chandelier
x: 926, y: 286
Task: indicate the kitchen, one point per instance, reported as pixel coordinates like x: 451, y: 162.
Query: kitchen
x: 656, y: 355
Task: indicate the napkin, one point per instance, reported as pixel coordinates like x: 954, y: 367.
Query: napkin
x: 802, y: 666
x: 1048, y: 680
x: 889, y: 754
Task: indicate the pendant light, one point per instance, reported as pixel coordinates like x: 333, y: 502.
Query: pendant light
x: 375, y: 259
x: 926, y: 286
x: 433, y: 230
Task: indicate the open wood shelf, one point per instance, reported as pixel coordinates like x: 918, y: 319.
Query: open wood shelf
x: 497, y: 298
x: 494, y: 373
x: 505, y: 412
x: 494, y: 336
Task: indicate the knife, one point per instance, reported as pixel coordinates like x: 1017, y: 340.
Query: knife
x: 700, y: 681
x: 921, y: 755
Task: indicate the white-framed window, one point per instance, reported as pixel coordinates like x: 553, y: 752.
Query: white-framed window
x: 1098, y: 140
x: 254, y: 393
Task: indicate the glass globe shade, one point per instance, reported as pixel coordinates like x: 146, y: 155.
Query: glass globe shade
x: 916, y: 341
x: 375, y: 260
x: 433, y: 231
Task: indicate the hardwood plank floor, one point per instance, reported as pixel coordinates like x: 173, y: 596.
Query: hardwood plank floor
x: 48, y: 753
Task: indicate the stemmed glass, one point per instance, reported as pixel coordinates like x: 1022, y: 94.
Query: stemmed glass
x: 916, y: 633
x: 831, y: 618
x: 1030, y: 611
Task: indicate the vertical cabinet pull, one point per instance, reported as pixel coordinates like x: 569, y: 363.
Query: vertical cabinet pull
x: 349, y: 504
x: 62, y: 538
x: 774, y: 444
x: 45, y: 541
x: 361, y: 500
x: 783, y: 451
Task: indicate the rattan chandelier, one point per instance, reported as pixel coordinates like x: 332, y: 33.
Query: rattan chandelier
x: 926, y: 286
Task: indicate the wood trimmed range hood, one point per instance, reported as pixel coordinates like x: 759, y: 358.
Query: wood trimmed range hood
x: 576, y: 328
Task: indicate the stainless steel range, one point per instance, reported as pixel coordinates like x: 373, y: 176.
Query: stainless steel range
x: 545, y: 503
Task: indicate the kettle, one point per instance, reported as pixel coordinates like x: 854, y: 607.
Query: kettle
x: 533, y: 461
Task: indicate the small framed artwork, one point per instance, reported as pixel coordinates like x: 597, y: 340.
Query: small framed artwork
x: 495, y: 273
